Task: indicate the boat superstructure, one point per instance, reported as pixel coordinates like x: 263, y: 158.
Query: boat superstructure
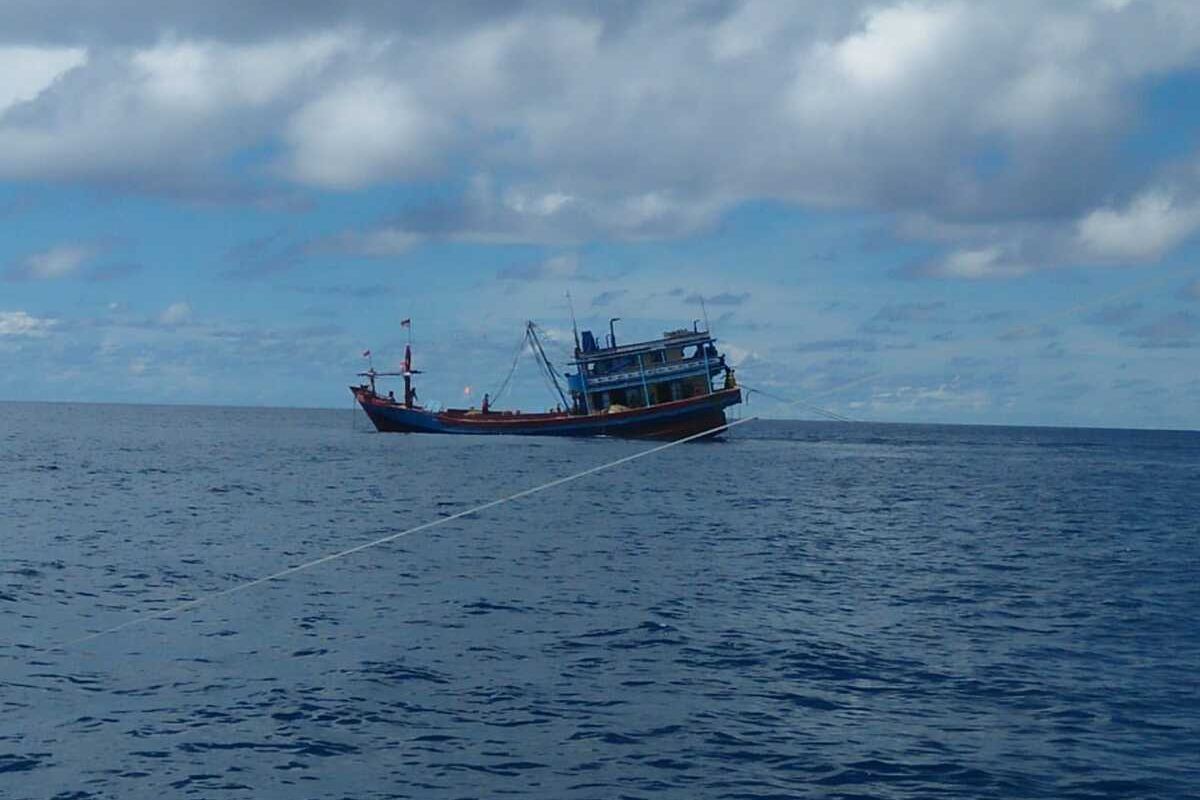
x: 679, y: 366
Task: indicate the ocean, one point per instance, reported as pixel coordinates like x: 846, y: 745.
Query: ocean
x: 801, y: 610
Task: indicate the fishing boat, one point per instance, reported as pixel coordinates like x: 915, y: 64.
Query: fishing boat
x: 671, y: 387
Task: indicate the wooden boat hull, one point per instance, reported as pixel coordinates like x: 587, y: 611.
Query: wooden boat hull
x: 667, y: 420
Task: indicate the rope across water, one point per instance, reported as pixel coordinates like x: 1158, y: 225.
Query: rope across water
x: 283, y: 573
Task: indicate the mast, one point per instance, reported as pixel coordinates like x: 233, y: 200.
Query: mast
x: 408, y: 390
x: 410, y: 394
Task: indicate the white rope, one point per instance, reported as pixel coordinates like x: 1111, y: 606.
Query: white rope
x: 814, y: 408
x: 393, y: 537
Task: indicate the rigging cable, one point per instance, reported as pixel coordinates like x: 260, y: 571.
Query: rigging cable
x: 283, y: 573
x: 833, y: 415
x: 544, y: 361
x: 496, y: 395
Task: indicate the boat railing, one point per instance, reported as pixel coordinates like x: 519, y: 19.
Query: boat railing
x: 671, y: 369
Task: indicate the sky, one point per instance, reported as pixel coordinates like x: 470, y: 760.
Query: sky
x: 912, y: 210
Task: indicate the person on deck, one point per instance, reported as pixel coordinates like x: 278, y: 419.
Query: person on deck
x: 487, y: 401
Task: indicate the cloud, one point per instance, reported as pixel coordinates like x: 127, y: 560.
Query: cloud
x: 60, y: 261
x: 990, y: 316
x: 941, y: 396
x: 488, y: 213
x: 347, y: 291
x: 160, y: 115
x: 1177, y: 330
x: 114, y: 271
x: 385, y: 242
x: 175, y: 314
x: 364, y: 132
x: 21, y: 323
x: 978, y: 263
x: 266, y: 255
x: 560, y: 267
x: 911, y: 312
x: 720, y: 299
x: 1052, y: 350
x: 607, y: 298
x: 609, y: 121
x: 27, y: 71
x: 1120, y: 314
x: 1025, y: 332
x: 1191, y: 291
x: 1144, y: 230
x: 847, y: 345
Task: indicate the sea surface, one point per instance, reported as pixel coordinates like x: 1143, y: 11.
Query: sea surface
x: 802, y: 610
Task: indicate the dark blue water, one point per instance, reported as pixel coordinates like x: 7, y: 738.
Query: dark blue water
x: 806, y: 609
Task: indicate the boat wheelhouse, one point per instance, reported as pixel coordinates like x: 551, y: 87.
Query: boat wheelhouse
x: 675, y: 386
x: 679, y: 366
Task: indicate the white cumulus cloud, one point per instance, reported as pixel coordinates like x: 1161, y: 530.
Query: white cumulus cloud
x: 646, y: 121
x: 365, y: 132
x: 175, y: 314
x: 1145, y: 229
x: 60, y: 261
x: 26, y: 71
x: 21, y: 323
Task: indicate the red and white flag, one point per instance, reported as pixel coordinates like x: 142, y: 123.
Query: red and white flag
x: 366, y: 353
x: 406, y: 323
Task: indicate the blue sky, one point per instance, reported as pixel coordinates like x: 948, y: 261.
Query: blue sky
x: 977, y: 212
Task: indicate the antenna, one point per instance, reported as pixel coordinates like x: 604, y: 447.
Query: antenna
x: 574, y: 326
x: 704, y: 309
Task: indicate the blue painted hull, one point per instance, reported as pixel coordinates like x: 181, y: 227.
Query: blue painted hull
x: 666, y: 420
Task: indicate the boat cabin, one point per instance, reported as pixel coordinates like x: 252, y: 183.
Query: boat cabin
x: 680, y: 365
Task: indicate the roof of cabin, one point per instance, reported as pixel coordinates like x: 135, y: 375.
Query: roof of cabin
x: 677, y: 340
